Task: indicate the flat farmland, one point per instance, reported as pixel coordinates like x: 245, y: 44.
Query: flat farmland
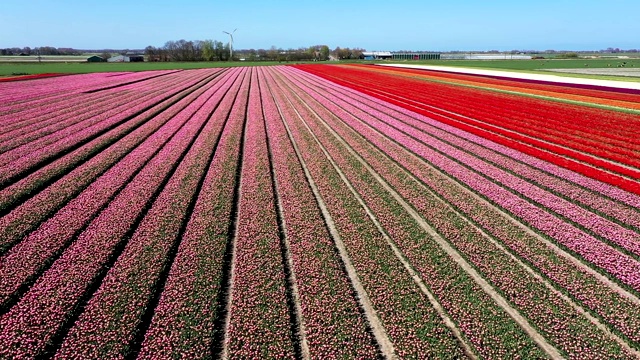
x: 317, y: 211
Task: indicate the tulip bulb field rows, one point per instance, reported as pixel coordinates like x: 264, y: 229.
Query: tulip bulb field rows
x: 317, y: 211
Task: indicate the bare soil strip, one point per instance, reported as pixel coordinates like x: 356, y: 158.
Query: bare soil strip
x: 299, y: 330
x: 377, y: 328
x: 228, y: 287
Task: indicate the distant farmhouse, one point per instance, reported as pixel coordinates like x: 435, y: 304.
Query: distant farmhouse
x: 95, y: 58
x: 129, y: 57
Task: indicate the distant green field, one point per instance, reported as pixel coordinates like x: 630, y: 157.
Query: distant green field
x: 13, y: 68
x: 19, y: 68
x: 533, y: 65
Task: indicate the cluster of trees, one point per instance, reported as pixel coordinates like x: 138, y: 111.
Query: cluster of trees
x: 183, y: 50
x: 213, y: 50
x: 311, y: 53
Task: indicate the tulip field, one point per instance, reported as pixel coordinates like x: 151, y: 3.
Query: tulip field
x: 317, y: 212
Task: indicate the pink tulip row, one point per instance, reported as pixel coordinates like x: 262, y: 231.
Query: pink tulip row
x: 56, y: 294
x: 18, y: 150
x: 33, y: 123
x: 259, y: 324
x: 149, y: 92
x: 64, y: 104
x: 36, y: 209
x: 183, y: 324
x: 30, y: 92
x: 116, y: 310
x: 122, y: 81
x: 597, y: 296
x: 489, y: 330
x: 25, y: 96
x: 624, y: 267
x: 26, y: 122
x: 57, y: 127
x: 31, y: 183
x: 21, y: 159
x: 26, y: 259
x: 99, y: 143
x: 53, y: 92
x: 333, y: 325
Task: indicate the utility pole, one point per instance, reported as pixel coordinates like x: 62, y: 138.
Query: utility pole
x: 230, y: 43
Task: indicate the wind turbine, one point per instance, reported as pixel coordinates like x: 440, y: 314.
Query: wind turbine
x: 230, y: 43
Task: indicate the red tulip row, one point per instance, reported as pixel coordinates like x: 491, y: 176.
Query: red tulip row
x: 42, y: 313
x: 333, y: 326
x: 607, y: 131
x: 582, y: 90
x: 489, y: 330
x: 116, y: 310
x: 258, y: 320
x: 556, y: 319
x: 582, y: 161
x: 183, y: 324
x: 606, y: 127
x: 605, y: 301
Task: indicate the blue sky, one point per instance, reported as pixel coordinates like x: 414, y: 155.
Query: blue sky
x: 374, y: 24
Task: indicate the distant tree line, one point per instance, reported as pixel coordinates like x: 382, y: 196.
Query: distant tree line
x: 213, y: 50
x: 42, y: 50
x: 203, y: 50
